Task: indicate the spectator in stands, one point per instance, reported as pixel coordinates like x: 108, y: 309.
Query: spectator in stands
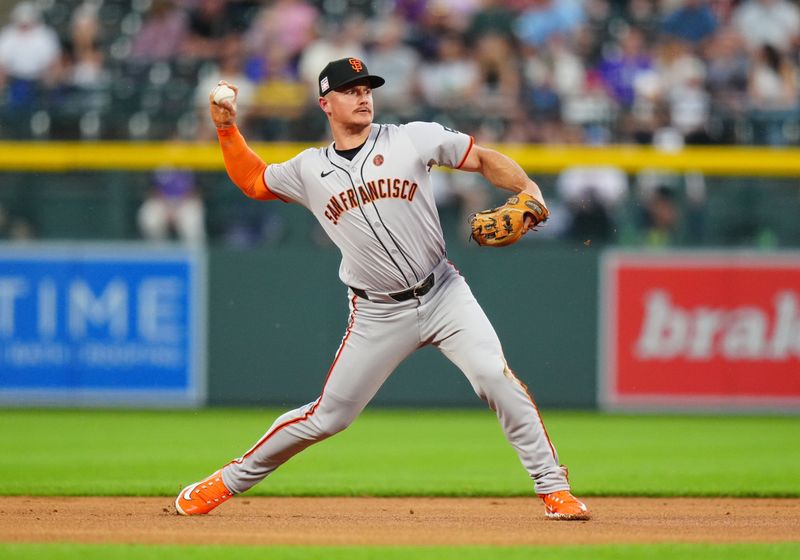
x: 451, y: 16
x: 209, y: 23
x: 649, y: 111
x: 773, y: 80
x: 644, y: 16
x: 568, y: 71
x: 693, y: 22
x: 727, y: 71
x: 88, y: 70
x: 498, y: 80
x: 390, y: 56
x: 690, y: 106
x: 555, y: 82
x: 682, y: 76
x: 173, y: 208
x: 601, y: 21
x: 590, y: 108
x: 449, y: 82
x: 622, y: 66
x: 545, y: 18
x: 29, y: 52
x: 660, y: 218
x: 339, y: 39
x: 437, y: 21
x: 539, y: 94
x: 285, y: 24
x: 590, y: 222
x: 413, y: 11
x: 280, y: 99
x: 162, y: 34
x: 493, y: 17
x: 592, y: 196
x: 723, y: 11
x: 772, y: 88
x: 774, y: 22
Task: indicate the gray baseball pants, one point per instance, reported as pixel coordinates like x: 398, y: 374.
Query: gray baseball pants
x: 379, y: 336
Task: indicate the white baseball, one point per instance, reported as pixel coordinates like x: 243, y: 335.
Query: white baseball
x: 223, y: 93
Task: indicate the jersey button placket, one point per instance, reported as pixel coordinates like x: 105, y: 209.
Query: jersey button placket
x: 383, y: 234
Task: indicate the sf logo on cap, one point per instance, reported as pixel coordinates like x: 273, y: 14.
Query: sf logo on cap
x: 356, y: 64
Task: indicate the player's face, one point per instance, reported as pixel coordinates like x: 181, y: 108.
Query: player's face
x: 350, y: 105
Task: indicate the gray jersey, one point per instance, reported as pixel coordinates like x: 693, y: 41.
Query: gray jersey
x: 378, y: 208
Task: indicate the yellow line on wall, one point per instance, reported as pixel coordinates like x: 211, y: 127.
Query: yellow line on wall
x: 73, y: 156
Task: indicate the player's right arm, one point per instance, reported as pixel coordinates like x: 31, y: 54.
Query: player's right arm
x: 243, y: 165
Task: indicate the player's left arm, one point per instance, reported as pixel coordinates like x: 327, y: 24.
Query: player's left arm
x: 501, y: 171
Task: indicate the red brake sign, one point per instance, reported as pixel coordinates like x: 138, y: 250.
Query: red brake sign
x: 706, y: 329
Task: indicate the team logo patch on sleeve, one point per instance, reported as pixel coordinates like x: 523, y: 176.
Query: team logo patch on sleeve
x: 323, y: 84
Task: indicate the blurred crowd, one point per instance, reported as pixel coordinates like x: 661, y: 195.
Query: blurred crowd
x: 658, y: 72
x: 667, y: 72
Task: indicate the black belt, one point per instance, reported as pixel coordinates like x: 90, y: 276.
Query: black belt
x: 419, y: 290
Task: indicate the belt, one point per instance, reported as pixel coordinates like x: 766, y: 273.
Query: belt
x: 415, y: 291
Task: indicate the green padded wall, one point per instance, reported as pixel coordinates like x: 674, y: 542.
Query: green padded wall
x: 277, y: 316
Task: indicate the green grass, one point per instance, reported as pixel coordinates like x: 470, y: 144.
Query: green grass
x: 398, y: 452
x: 778, y: 551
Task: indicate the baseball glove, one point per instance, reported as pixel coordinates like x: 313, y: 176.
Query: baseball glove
x: 505, y: 224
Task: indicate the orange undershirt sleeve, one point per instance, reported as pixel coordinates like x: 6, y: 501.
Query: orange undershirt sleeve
x: 243, y: 165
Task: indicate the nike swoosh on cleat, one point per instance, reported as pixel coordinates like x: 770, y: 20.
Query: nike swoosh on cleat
x: 187, y: 493
x: 323, y: 174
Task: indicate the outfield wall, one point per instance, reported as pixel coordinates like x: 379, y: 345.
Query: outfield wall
x: 278, y: 316
x: 88, y: 324
x: 632, y: 330
x: 132, y: 324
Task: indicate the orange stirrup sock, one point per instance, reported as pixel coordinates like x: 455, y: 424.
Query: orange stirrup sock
x: 243, y: 165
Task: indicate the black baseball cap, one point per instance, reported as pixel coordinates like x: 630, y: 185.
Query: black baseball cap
x: 344, y: 71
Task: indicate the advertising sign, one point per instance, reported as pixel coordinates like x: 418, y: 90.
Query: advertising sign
x: 101, y: 325
x: 700, y: 329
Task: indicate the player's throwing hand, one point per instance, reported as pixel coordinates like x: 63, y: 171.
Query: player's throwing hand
x: 223, y: 108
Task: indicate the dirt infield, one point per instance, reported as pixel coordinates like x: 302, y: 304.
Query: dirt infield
x: 397, y: 521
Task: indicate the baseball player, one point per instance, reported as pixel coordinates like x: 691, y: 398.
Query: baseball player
x: 370, y: 190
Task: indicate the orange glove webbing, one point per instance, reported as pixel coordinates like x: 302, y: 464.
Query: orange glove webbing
x: 243, y: 165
